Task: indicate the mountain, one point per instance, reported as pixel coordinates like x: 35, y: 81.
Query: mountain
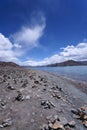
x: 68, y: 63
x: 83, y: 62
x: 11, y: 64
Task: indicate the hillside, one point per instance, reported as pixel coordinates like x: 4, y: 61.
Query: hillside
x: 11, y: 64
x: 67, y: 63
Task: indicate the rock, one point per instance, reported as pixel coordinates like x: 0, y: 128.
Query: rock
x: 56, y: 118
x: 24, y: 85
x: 2, y: 104
x: 57, y: 126
x: 27, y: 97
x: 67, y: 128
x: 44, y: 127
x: 47, y: 104
x: 81, y: 113
x: 44, y: 89
x: 60, y: 89
x: 56, y: 96
x: 7, y: 122
x: 76, y: 116
x: 72, y: 123
x: 15, y: 81
x: 85, y: 117
x: 34, y: 86
x: 50, y: 125
x: 51, y: 119
x: 63, y: 121
x: 19, y: 97
x: 84, y: 108
x: 32, y: 120
x: 43, y: 103
x: 45, y: 85
x: 36, y: 82
x: 1, y: 126
x: 44, y: 80
x: 10, y: 87
x: 74, y: 111
x: 85, y: 123
x: 31, y: 77
x: 54, y: 88
x: 86, y: 112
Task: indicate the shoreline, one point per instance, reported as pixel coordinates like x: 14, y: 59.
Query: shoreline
x: 60, y: 73
x: 82, y: 85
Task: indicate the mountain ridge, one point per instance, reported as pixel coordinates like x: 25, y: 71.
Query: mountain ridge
x: 68, y: 63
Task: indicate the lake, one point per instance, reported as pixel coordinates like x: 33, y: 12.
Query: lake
x: 74, y: 72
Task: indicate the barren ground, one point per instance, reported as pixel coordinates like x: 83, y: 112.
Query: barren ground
x: 30, y: 100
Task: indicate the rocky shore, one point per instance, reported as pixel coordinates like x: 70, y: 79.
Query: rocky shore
x: 36, y: 100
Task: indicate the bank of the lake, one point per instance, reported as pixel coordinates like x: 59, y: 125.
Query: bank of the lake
x: 74, y: 72
x: 32, y: 99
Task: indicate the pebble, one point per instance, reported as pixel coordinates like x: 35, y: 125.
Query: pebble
x: 85, y: 123
x: 56, y: 96
x: 7, y: 122
x: 84, y: 108
x: 19, y: 97
x: 32, y: 120
x: 74, y: 111
x: 47, y: 104
x: 63, y: 121
x: 72, y: 123
x: 10, y: 87
x: 36, y: 82
x: 85, y: 117
x: 27, y: 97
x: 57, y: 125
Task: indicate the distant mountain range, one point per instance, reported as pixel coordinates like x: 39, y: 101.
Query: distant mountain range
x: 68, y: 63
x: 65, y: 63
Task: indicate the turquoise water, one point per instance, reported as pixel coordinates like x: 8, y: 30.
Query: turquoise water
x: 74, y: 72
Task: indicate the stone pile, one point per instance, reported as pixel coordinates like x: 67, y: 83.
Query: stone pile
x: 58, y: 124
x: 81, y: 114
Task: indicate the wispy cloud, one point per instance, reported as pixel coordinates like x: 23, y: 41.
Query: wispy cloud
x: 28, y: 36
x: 17, y: 45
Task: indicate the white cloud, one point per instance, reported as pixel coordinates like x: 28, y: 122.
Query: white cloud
x: 29, y: 36
x: 75, y: 52
x: 78, y: 52
x: 5, y: 43
x: 17, y: 46
x: 6, y: 50
x: 14, y: 47
x: 13, y: 52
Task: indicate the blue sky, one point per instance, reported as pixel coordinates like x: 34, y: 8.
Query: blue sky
x: 39, y: 32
